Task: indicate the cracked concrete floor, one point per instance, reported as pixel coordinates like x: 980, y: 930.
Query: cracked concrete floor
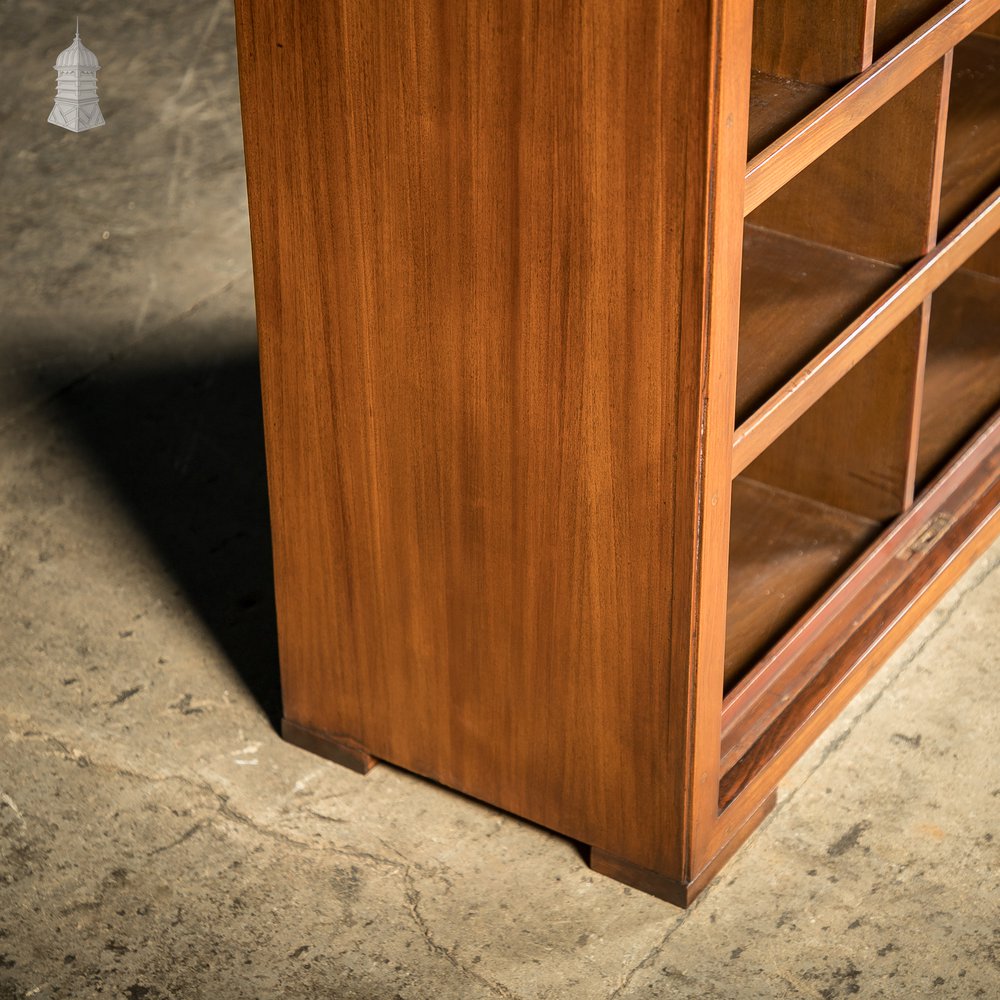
x: 158, y: 840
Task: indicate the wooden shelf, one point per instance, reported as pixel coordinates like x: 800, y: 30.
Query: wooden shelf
x: 962, y: 379
x: 776, y: 104
x: 796, y: 297
x: 784, y: 552
x: 972, y: 145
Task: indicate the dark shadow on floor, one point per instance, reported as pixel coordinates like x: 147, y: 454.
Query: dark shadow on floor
x: 182, y: 444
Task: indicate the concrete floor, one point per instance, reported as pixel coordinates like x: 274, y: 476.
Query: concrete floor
x: 157, y: 839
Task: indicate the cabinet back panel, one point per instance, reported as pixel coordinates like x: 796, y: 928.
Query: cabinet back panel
x: 895, y: 19
x: 962, y: 380
x: 785, y: 39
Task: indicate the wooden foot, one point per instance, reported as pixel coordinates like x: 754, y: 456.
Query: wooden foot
x: 340, y: 749
x: 681, y: 894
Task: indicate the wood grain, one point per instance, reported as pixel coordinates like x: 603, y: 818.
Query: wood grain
x: 785, y: 44
x: 972, y: 146
x: 873, y: 193
x: 786, y: 405
x: 497, y: 255
x: 703, y: 674
x: 853, y: 103
x: 962, y: 380
x: 484, y: 305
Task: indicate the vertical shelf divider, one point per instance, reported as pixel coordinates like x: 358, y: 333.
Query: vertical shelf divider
x: 923, y: 314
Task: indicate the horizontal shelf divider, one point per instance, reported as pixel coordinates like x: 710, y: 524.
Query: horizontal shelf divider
x: 792, y: 400
x: 774, y: 166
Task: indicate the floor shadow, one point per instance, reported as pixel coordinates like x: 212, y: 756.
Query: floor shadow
x: 182, y: 443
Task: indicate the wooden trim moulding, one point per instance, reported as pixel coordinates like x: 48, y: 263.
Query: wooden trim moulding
x: 806, y: 141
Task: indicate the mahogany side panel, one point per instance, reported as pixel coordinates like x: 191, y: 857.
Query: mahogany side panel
x: 497, y: 252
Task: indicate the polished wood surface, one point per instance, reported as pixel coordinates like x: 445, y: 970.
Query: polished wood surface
x: 797, y: 297
x: 874, y: 192
x: 484, y: 308
x: 962, y: 380
x: 833, y: 362
x: 498, y: 253
x: 702, y: 675
x: 785, y: 44
x: 972, y: 146
x: 785, y: 550
x: 787, y: 155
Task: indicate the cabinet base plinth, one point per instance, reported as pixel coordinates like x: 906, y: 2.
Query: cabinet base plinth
x: 340, y: 749
x: 681, y: 894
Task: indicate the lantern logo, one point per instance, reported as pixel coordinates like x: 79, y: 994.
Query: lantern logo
x: 76, y: 106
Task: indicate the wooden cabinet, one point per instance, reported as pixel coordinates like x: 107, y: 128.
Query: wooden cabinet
x: 608, y: 459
